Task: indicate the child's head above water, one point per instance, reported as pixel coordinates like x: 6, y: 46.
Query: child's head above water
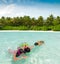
x: 38, y: 43
x: 26, y: 50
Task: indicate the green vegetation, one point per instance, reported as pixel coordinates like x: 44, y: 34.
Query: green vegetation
x: 27, y: 23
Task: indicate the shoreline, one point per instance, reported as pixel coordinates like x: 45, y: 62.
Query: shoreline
x: 25, y: 31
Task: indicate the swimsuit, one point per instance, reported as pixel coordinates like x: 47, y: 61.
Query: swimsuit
x: 19, y: 52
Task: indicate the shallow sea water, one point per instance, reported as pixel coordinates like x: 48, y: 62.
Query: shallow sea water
x: 48, y: 53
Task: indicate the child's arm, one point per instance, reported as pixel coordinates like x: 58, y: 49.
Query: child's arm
x: 15, y: 58
x: 31, y: 47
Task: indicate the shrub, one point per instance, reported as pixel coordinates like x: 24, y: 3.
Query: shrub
x: 35, y: 28
x: 44, y: 28
x: 56, y: 28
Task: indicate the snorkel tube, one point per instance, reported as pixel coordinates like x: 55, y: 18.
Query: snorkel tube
x: 23, y: 44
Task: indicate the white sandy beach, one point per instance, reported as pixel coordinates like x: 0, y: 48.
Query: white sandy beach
x: 25, y: 31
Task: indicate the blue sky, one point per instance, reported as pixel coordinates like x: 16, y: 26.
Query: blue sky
x: 32, y: 8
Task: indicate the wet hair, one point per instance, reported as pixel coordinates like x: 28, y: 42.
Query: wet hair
x: 35, y: 43
x: 20, y: 51
x: 27, y: 50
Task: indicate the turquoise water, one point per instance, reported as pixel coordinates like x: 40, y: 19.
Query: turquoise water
x: 49, y: 53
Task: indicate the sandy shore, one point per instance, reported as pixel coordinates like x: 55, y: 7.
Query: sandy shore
x: 25, y: 31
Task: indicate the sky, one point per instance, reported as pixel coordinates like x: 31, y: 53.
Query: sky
x: 32, y: 8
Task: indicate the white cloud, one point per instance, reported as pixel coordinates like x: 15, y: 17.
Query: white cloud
x: 6, y: 9
x: 36, y: 11
x: 13, y: 10
x: 4, y: 1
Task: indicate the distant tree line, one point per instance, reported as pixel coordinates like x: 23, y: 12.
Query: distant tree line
x: 27, y: 23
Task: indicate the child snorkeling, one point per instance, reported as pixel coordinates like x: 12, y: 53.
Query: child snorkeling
x: 24, y: 49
